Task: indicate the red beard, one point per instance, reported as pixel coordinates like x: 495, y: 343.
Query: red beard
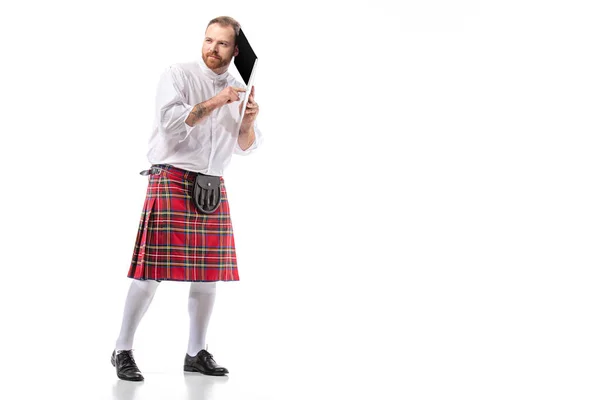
x: 213, y: 63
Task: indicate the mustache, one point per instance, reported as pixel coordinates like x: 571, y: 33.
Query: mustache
x: 210, y: 53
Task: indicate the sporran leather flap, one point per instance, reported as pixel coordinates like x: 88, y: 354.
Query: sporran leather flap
x: 207, y: 193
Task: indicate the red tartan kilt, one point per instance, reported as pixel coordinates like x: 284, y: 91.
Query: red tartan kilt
x: 175, y: 241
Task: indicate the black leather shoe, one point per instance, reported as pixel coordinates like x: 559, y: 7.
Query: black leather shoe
x: 204, y: 363
x: 126, y: 366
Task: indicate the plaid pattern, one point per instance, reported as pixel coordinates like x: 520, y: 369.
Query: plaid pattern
x: 176, y: 242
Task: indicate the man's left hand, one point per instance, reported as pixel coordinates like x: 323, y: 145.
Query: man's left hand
x: 250, y: 114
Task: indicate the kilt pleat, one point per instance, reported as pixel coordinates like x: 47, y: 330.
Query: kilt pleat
x: 176, y: 242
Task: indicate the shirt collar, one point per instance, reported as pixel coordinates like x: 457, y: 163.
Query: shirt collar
x: 210, y: 73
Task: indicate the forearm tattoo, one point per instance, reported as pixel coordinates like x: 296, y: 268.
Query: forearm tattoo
x: 199, y: 111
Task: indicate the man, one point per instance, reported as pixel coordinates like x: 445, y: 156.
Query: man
x: 197, y: 110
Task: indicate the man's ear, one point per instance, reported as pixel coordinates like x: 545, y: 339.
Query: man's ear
x: 235, y: 53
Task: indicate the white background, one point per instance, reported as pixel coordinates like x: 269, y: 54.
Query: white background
x: 433, y: 230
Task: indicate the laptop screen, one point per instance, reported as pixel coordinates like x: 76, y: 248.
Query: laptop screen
x: 245, y: 60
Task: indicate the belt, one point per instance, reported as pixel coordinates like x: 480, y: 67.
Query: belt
x: 152, y: 171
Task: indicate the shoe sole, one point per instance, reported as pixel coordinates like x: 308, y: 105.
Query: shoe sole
x: 141, y: 378
x: 192, y: 369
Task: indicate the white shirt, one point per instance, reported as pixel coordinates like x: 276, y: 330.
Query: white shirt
x: 208, y: 146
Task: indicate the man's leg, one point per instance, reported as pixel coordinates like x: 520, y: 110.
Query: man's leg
x: 200, y: 306
x: 138, y: 300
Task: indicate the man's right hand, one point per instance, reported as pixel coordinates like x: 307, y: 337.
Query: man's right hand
x: 230, y: 94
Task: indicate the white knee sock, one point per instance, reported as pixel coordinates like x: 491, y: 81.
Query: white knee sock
x: 138, y: 299
x: 200, y: 306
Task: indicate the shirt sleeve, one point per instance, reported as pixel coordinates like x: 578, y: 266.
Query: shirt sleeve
x: 172, y: 108
x: 258, y: 140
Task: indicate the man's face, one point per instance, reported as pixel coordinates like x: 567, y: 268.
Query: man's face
x: 218, y: 48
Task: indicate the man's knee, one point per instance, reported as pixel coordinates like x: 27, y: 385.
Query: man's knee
x: 203, y: 287
x: 148, y: 286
